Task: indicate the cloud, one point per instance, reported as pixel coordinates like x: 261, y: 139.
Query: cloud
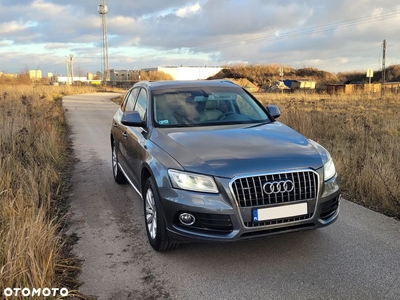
x: 5, y: 43
x: 335, y: 35
x: 8, y: 28
x: 47, y: 8
x: 188, y: 10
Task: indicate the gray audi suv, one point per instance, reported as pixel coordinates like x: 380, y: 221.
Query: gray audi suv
x: 212, y: 164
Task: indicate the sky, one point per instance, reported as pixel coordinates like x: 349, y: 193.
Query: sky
x: 335, y: 36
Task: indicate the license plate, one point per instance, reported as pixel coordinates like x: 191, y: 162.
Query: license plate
x: 279, y: 212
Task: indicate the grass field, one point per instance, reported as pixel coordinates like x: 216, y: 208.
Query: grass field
x: 362, y: 134
x: 33, y: 168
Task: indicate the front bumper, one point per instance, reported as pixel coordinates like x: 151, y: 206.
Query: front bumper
x: 219, y: 217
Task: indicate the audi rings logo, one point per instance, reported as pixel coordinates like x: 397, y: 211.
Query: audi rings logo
x: 275, y: 187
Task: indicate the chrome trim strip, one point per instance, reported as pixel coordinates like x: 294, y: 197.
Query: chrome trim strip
x: 238, y: 208
x: 130, y: 182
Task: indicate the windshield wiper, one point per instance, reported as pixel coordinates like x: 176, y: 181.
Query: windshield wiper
x: 260, y: 123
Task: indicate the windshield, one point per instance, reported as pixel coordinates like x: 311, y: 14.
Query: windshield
x: 202, y: 107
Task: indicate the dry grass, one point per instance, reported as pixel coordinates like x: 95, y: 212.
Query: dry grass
x: 363, y: 136
x: 33, y: 155
x: 154, y: 75
x: 263, y: 75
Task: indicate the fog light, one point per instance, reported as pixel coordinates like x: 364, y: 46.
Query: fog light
x: 187, y: 219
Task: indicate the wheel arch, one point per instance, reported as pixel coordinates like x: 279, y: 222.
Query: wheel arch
x: 111, y: 139
x: 145, y: 174
x: 158, y: 171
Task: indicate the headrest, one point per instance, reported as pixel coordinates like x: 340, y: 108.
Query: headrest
x: 204, y: 98
x: 212, y: 104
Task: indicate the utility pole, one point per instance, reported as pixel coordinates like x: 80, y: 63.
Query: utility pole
x: 370, y: 74
x: 70, y: 68
x: 102, y: 9
x: 71, y: 58
x: 281, y: 74
x: 383, y: 69
x: 67, y: 70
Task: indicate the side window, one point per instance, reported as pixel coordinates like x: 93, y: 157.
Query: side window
x: 141, y: 104
x: 130, y: 100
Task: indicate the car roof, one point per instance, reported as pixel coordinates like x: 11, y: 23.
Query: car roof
x: 165, y: 84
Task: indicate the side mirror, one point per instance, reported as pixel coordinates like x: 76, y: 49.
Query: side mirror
x: 132, y: 118
x: 274, y: 111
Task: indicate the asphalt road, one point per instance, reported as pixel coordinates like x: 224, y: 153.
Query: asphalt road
x: 358, y: 257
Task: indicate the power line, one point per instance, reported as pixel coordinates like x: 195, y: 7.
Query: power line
x: 301, y: 32
x: 46, y: 67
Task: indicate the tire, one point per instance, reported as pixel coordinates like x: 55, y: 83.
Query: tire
x: 119, y: 177
x: 156, y: 228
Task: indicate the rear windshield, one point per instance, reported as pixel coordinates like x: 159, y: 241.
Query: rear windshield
x: 202, y: 107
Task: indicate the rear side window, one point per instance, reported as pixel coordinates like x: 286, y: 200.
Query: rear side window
x: 141, y: 104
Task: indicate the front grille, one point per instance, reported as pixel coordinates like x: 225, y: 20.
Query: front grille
x: 249, y: 192
x: 278, y: 221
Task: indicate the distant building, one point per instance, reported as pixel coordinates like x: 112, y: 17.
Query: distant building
x: 57, y: 80
x: 299, y: 84
x: 303, y: 85
x: 8, y: 75
x: 35, y: 74
x: 49, y: 75
x: 187, y: 73
x: 124, y: 75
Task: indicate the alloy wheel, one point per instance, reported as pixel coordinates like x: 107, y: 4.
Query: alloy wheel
x: 151, y: 214
x: 114, y: 161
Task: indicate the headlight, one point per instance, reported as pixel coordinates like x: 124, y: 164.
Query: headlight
x: 329, y: 169
x: 192, y: 182
x: 329, y: 166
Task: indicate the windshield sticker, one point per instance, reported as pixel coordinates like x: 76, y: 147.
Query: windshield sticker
x: 163, y: 122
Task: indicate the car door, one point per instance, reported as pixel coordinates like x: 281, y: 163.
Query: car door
x: 120, y: 130
x: 135, y: 140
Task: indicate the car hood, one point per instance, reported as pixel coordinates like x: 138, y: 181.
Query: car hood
x: 227, y: 151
